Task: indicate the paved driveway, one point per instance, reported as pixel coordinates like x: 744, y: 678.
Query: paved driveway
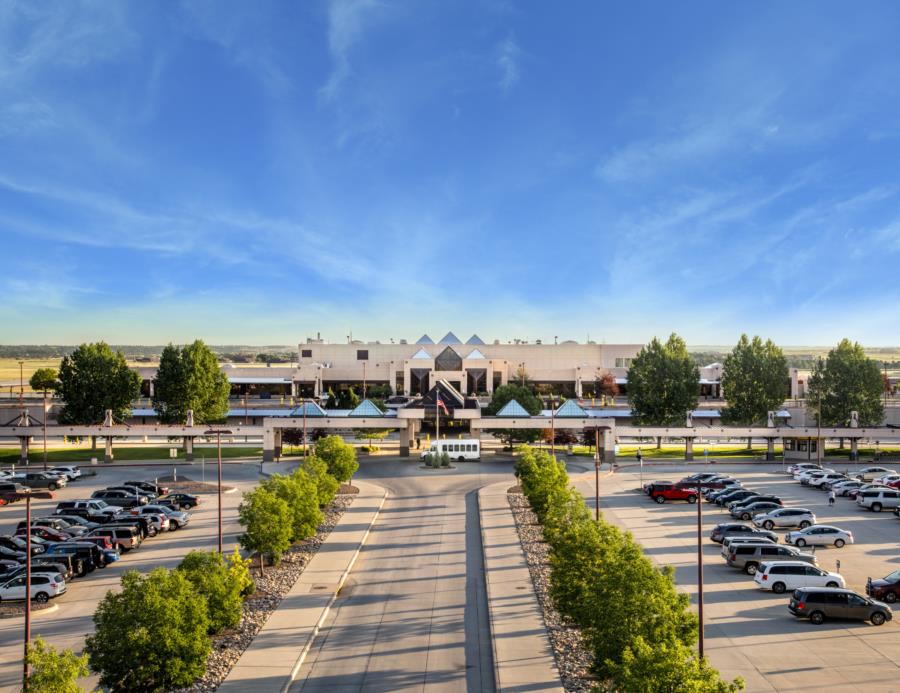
x: 750, y: 632
x: 412, y: 615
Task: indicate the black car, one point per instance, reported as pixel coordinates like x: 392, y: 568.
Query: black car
x: 150, y: 487
x: 120, y: 498
x: 79, y: 521
x: 146, y: 496
x: 739, y: 494
x: 731, y: 529
x: 87, y: 514
x: 89, y: 554
x: 178, y: 501
x: 18, y: 544
x: 755, y: 498
x: 143, y: 524
x: 64, y: 565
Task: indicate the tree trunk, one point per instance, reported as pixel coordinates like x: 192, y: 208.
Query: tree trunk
x: 749, y: 443
x: 93, y: 443
x: 262, y: 570
x: 841, y: 443
x: 658, y: 442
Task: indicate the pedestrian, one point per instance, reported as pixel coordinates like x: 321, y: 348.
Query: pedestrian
x: 831, y: 498
x: 418, y: 442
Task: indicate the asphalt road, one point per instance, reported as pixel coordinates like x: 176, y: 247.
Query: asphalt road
x: 68, y: 626
x: 412, y: 615
x: 749, y: 632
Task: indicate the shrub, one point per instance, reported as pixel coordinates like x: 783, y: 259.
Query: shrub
x: 53, y: 671
x: 212, y: 579
x: 545, y: 476
x: 266, y: 520
x: 301, y: 494
x: 339, y: 456
x: 427, y: 458
x: 445, y: 459
x: 327, y: 486
x: 151, y: 636
x: 239, y: 572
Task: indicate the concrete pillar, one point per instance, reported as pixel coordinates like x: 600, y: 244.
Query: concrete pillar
x: 152, y: 389
x: 407, y: 438
x: 854, y: 450
x: 688, y: 449
x: 278, y: 445
x: 268, y: 444
x: 108, y: 453
x: 609, y: 446
x: 579, y: 390
x: 189, y: 448
x: 23, y: 456
x: 770, y: 449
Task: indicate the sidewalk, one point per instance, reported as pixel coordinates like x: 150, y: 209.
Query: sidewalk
x: 523, y: 658
x: 276, y: 653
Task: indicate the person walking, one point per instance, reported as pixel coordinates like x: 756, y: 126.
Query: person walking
x: 831, y: 498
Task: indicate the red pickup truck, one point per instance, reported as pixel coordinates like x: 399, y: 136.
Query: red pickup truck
x: 663, y: 491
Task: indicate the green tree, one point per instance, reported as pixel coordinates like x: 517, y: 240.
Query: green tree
x: 239, y: 573
x: 663, y: 383
x: 212, y: 579
x: 190, y: 378
x: 331, y: 402
x: 152, y: 636
x: 339, y: 456
x: 300, y: 492
x: 53, y: 671
x: 755, y: 381
x: 847, y: 380
x: 326, y: 485
x: 371, y: 434
x: 93, y: 379
x: 668, y: 666
x: 348, y: 399
x: 530, y: 403
x: 44, y: 379
x: 266, y: 520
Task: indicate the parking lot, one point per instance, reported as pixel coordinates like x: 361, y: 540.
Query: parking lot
x: 68, y: 625
x: 749, y: 632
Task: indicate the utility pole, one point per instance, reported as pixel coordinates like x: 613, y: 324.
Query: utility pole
x: 218, y: 433
x: 597, y: 476
x: 46, y: 412
x: 700, y: 564
x: 21, y: 384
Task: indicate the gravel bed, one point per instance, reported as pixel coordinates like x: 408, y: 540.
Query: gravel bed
x: 572, y: 657
x: 14, y: 609
x: 270, y: 589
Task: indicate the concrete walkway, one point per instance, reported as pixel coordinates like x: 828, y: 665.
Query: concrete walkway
x: 523, y: 658
x: 278, y: 650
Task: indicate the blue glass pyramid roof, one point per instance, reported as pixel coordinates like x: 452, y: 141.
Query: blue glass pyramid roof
x: 421, y: 354
x: 311, y: 408
x: 366, y: 408
x: 570, y: 408
x: 513, y: 408
x: 475, y: 340
x: 450, y: 338
x: 425, y: 339
x: 475, y: 354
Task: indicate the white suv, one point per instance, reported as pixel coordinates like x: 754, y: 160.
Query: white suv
x: 786, y: 517
x: 872, y: 473
x: 790, y: 575
x: 877, y: 499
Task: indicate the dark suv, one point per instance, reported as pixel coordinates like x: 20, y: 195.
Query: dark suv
x: 820, y: 603
x: 89, y: 554
x: 120, y: 498
x: 736, y: 529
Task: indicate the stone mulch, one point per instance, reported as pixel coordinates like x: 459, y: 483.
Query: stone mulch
x: 572, y: 657
x: 270, y: 589
x: 14, y: 609
x: 187, y: 485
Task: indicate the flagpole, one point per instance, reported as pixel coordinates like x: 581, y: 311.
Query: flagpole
x: 437, y: 420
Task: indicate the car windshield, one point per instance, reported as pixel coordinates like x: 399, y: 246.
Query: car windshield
x: 100, y: 503
x: 893, y: 577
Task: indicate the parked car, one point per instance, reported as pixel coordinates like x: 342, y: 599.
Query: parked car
x: 736, y: 495
x: 179, y: 501
x: 55, y: 564
x: 53, y: 523
x: 85, y: 551
x: 18, y: 544
x: 8, y: 568
x: 159, y: 519
x: 94, y: 506
x: 71, y: 472
x: 886, y: 479
x: 77, y: 520
x: 150, y: 487
x: 801, y: 467
x: 845, y: 487
x: 125, y: 537
x: 134, y: 491
x: 734, y: 541
x: 39, y: 480
x: 872, y: 473
x: 663, y: 493
x: 805, y: 473
x: 714, y: 482
x: 727, y: 486
x: 877, y: 499
x: 826, y: 480
x: 177, y: 518
x: 44, y: 533
x: 122, y: 499
x: 144, y: 524
x: 41, y: 588
x: 791, y: 575
x: 809, y: 478
x: 753, y: 499
x: 820, y: 535
x: 651, y: 485
x: 785, y: 517
x: 747, y: 557
x: 9, y: 491
x: 8, y: 554
x: 746, y: 512
x: 821, y: 603
x: 734, y: 529
x: 700, y: 476
x: 886, y: 589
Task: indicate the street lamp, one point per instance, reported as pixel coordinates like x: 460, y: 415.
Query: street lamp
x: 46, y: 412
x: 27, y: 498
x: 218, y: 433
x: 21, y: 384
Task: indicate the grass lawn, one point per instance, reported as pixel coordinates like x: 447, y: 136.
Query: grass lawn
x: 61, y: 456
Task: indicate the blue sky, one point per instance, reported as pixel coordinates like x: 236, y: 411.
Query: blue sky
x: 257, y: 172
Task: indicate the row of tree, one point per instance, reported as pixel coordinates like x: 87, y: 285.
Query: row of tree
x: 286, y: 508
x: 663, y: 384
x: 636, y: 624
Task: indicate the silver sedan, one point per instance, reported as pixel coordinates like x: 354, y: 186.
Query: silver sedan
x: 820, y: 535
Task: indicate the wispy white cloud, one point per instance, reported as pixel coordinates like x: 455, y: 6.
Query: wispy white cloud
x: 508, y: 54
x: 347, y: 23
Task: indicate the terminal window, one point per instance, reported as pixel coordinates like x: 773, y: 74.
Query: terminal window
x: 622, y: 362
x: 306, y: 353
x: 362, y: 354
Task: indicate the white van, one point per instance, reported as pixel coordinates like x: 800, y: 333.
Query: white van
x: 460, y: 449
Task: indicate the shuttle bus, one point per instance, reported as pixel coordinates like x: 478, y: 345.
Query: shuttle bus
x: 461, y: 449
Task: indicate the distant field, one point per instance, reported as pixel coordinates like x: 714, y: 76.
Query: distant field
x: 84, y: 454
x: 9, y: 370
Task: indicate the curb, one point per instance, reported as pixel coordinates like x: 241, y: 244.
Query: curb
x: 487, y: 590
x: 315, y: 631
x: 52, y: 609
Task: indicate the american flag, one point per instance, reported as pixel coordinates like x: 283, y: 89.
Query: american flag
x: 441, y: 405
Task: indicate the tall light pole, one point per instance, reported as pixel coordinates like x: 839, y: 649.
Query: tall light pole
x: 21, y: 384
x: 46, y: 412
x: 597, y: 476
x: 218, y: 433
x: 700, y: 565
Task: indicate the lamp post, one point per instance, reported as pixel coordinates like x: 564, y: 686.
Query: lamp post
x: 46, y: 412
x: 218, y: 433
x: 597, y: 476
x: 700, y: 565
x: 21, y: 384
